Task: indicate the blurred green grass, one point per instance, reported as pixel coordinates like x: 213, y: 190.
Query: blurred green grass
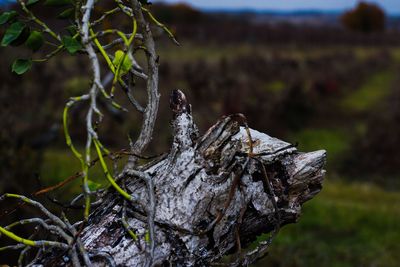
x: 275, y: 86
x: 59, y: 164
x: 374, y: 89
x: 347, y: 224
x: 334, y: 141
x: 213, y: 52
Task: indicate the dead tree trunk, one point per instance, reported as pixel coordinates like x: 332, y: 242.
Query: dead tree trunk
x: 211, y: 197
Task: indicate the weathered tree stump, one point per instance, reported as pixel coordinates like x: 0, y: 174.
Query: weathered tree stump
x: 211, y: 195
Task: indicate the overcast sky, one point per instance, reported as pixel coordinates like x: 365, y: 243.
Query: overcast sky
x: 391, y: 6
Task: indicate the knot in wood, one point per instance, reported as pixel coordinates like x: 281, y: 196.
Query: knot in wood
x: 178, y: 102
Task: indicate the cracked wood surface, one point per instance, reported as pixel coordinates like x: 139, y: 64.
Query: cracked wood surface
x: 192, y: 185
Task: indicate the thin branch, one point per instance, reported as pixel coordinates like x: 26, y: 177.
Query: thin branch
x: 38, y: 21
x: 77, y: 240
x: 52, y: 228
x: 120, y: 41
x: 105, y: 15
x: 38, y: 205
x: 93, y: 95
x: 22, y: 256
x: 12, y: 247
x: 125, y: 223
x: 33, y: 243
x: 153, y: 96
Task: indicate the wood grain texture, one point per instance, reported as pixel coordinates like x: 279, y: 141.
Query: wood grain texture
x: 192, y: 185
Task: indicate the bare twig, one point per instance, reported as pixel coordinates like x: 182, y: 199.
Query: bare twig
x: 153, y: 96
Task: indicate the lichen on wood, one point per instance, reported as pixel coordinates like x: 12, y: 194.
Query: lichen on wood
x: 195, y: 224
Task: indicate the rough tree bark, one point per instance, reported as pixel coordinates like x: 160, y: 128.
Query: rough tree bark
x: 206, y: 198
x: 211, y: 196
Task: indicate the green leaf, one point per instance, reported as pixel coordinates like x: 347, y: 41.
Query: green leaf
x: 12, y: 33
x: 71, y: 44
x: 20, y: 66
x: 31, y: 2
x: 93, y: 186
x: 35, y: 40
x: 22, y: 37
x: 126, y: 64
x: 7, y: 16
x: 71, y: 29
x: 68, y: 13
x: 57, y: 2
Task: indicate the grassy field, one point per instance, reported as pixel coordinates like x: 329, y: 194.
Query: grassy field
x: 335, y: 141
x: 346, y: 225
x: 374, y: 89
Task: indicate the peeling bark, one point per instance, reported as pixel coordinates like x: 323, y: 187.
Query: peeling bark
x: 212, y: 196
x: 194, y: 183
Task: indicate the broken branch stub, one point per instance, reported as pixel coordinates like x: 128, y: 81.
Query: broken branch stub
x: 211, y: 196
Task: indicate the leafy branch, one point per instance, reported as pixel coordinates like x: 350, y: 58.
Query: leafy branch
x: 85, y: 39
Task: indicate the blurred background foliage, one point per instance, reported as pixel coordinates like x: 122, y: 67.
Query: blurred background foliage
x: 324, y: 82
